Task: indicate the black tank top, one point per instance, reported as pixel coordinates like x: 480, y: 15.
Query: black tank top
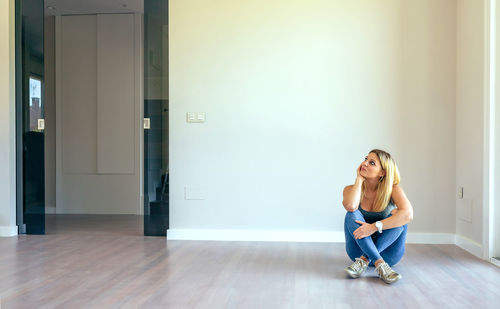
x: 373, y: 216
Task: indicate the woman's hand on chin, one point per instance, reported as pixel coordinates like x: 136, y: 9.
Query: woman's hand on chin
x: 358, y: 175
x: 364, y: 230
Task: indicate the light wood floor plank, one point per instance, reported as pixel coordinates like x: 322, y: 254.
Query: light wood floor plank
x: 105, y: 262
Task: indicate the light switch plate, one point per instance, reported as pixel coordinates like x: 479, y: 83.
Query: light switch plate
x: 147, y: 123
x: 195, y: 117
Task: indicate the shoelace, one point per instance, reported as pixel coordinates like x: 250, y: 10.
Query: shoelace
x: 386, y: 269
x: 358, y: 265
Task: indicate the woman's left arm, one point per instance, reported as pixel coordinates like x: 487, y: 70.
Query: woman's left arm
x: 404, y: 213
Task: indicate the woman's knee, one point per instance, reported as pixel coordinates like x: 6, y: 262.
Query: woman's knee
x: 403, y: 232
x: 400, y: 230
x: 350, y: 223
x: 354, y: 215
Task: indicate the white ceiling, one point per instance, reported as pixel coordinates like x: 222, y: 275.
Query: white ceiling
x: 71, y: 7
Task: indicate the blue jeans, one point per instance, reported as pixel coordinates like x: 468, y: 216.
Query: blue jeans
x: 388, y: 245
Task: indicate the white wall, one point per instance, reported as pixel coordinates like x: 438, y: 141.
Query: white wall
x: 280, y: 141
x: 7, y: 121
x: 426, y: 109
x: 470, y: 87
x: 296, y: 93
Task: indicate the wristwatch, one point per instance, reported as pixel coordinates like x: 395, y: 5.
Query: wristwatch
x: 379, y: 226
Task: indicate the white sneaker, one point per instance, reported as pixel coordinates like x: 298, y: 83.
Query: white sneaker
x: 356, y: 268
x: 386, y: 273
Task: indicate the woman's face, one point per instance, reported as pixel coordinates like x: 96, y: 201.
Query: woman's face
x: 371, y: 167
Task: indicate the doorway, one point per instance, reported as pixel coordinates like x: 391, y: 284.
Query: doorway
x: 83, y: 149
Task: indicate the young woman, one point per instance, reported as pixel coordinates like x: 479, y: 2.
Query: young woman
x: 377, y: 215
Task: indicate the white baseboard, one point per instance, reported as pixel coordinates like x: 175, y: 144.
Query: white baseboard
x: 430, y: 238
x: 254, y: 235
x: 291, y: 236
x: 469, y: 245
x: 7, y: 231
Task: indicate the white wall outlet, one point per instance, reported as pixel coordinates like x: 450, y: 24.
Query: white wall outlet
x: 194, y: 193
x: 460, y: 192
x: 195, y: 117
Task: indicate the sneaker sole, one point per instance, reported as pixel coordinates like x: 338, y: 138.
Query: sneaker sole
x: 393, y: 281
x: 352, y: 275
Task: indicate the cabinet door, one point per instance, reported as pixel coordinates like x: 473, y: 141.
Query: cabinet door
x: 115, y: 94
x: 99, y: 114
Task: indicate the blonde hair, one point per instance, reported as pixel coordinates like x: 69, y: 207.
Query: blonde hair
x: 386, y: 182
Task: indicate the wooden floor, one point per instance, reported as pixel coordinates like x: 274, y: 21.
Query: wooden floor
x: 105, y: 262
